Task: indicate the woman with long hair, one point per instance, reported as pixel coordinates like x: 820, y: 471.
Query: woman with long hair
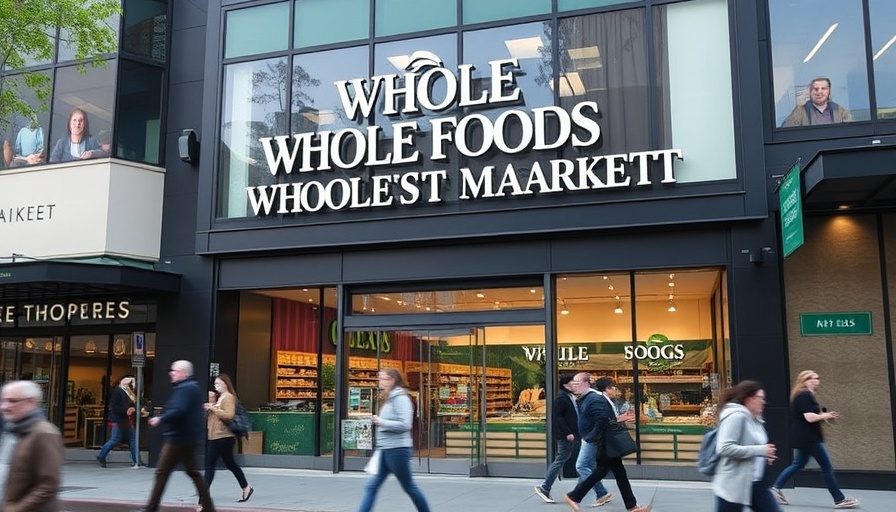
x: 122, y: 405
x: 393, y: 440
x: 221, y: 408
x: 744, y: 451
x: 806, y: 438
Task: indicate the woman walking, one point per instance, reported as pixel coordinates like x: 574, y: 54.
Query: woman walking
x: 221, y: 408
x: 122, y: 405
x: 744, y: 451
x: 805, y: 437
x: 393, y: 440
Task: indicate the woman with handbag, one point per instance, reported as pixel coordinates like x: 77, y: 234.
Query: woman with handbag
x: 604, y: 413
x: 122, y: 409
x: 221, y: 408
x: 805, y: 436
x: 744, y: 451
x: 393, y: 440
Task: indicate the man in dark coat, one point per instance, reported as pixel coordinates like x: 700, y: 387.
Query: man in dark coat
x: 586, y: 461
x: 184, y: 423
x: 566, y: 433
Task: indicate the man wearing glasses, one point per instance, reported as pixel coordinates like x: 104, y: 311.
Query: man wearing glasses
x: 587, y: 460
x: 184, y: 423
x: 31, y: 451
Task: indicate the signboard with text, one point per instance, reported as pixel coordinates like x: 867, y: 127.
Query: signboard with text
x: 857, y: 323
x: 790, y: 197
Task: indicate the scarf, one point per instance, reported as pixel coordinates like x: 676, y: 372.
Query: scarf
x: 12, y: 433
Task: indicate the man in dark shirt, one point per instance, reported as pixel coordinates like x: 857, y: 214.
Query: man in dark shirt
x: 564, y: 421
x: 184, y: 422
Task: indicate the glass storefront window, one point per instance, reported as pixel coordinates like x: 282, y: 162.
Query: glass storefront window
x: 83, y: 109
x: 818, y: 62
x: 140, y: 104
x: 883, y: 47
x: 479, y: 11
x: 448, y: 301
x: 690, y: 92
x: 401, y: 16
x: 603, y: 58
x: 146, y: 28
x: 330, y: 21
x: 68, y: 44
x: 26, y: 138
x: 244, y: 35
x: 254, y: 106
x: 570, y: 5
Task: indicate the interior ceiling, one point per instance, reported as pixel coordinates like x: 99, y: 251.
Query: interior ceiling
x: 688, y: 285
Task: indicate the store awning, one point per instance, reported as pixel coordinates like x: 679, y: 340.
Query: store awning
x: 857, y: 177
x: 47, y: 280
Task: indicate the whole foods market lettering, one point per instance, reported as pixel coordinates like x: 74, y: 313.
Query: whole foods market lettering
x: 472, y: 135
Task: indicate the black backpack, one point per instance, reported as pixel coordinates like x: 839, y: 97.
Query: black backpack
x: 241, y: 424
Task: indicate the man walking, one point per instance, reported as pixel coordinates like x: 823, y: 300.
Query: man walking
x: 31, y: 451
x: 566, y: 433
x: 589, y: 414
x: 184, y: 422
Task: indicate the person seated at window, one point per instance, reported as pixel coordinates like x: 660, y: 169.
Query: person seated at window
x: 819, y: 109
x: 79, y: 143
x: 29, y: 146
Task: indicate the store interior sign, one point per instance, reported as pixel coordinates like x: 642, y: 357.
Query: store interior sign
x: 476, y: 133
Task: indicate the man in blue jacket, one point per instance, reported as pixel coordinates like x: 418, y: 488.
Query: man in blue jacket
x: 588, y: 417
x: 184, y: 423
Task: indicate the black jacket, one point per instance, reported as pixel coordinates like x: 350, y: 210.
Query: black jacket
x: 595, y: 413
x: 184, y: 417
x: 565, y: 418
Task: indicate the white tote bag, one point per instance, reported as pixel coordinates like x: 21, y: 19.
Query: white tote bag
x: 373, y: 465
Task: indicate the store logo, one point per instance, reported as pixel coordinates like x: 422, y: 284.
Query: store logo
x: 473, y: 135
x: 658, y: 352
x: 569, y: 355
x: 59, y: 312
x: 374, y: 341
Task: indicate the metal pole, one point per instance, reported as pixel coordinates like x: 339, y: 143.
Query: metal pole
x: 137, y: 414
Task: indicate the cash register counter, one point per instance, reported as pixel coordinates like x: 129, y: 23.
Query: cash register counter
x: 292, y: 433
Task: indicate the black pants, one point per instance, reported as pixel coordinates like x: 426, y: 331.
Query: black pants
x: 168, y: 459
x: 222, y: 449
x: 604, y: 466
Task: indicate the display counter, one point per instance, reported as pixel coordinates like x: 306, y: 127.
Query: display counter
x: 292, y: 433
x: 671, y: 442
x: 516, y: 440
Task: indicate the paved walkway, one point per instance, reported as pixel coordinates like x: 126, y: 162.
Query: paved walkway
x: 87, y: 487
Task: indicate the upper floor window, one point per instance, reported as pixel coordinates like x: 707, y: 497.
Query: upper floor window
x: 883, y: 48
x: 819, y: 59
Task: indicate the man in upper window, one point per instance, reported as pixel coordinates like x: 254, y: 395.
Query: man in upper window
x: 819, y: 109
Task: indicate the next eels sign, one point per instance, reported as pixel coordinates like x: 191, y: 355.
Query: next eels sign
x: 856, y: 323
x: 473, y: 135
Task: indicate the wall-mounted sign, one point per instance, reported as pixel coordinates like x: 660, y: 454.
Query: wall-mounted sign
x: 138, y: 349
x: 64, y: 311
x: 857, y: 323
x: 474, y: 134
x: 790, y: 197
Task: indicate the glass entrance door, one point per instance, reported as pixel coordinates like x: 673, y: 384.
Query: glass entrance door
x: 464, y: 382
x: 38, y: 359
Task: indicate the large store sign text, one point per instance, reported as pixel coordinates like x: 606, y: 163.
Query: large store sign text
x: 59, y: 312
x: 406, y: 95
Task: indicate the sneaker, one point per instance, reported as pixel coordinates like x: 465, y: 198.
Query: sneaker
x: 101, y: 461
x: 779, y: 496
x: 846, y: 503
x: 543, y: 494
x: 640, y: 509
x: 603, y: 500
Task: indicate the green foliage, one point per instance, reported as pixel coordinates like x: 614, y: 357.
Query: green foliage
x: 29, y: 32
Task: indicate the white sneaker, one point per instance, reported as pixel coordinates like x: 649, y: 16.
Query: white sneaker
x: 847, y: 503
x: 603, y: 500
x: 543, y: 494
x: 779, y: 496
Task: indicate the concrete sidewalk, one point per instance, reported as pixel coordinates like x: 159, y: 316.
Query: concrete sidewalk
x: 87, y: 487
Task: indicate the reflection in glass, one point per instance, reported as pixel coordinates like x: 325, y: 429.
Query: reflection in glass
x: 330, y: 21
x: 603, y: 58
x: 828, y: 42
x: 83, y: 106
x: 67, y: 43
x: 401, y: 16
x: 146, y: 28
x: 140, y: 103
x: 25, y: 139
x: 254, y: 106
x: 316, y: 104
x: 692, y: 92
x: 244, y: 33
x: 883, y: 47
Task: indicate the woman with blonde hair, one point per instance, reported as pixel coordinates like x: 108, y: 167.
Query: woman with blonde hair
x: 393, y: 440
x: 122, y: 406
x: 805, y: 437
x: 221, y: 408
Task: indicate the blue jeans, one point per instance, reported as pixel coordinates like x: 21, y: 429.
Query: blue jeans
x: 585, y: 465
x: 820, y: 454
x: 564, y: 452
x: 761, y: 500
x: 398, y: 462
x: 118, y: 431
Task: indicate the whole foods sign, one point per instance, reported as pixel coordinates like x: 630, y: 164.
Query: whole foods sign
x: 407, y: 95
